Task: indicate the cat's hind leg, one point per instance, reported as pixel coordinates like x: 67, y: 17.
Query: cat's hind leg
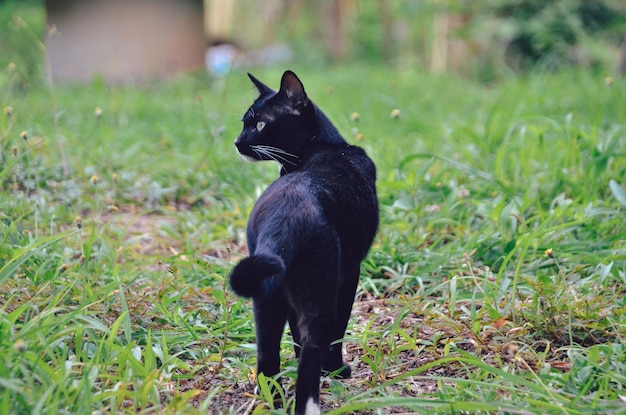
x: 312, y: 286
x: 333, y: 361
x: 270, y: 316
x: 315, y: 326
x: 295, y: 333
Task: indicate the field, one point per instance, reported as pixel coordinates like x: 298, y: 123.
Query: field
x: 496, y: 284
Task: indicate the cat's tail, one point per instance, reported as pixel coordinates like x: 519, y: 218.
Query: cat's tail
x: 257, y: 274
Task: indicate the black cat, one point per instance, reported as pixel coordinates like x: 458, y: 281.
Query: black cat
x: 307, y: 234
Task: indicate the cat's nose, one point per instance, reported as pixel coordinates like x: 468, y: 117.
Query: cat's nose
x: 239, y: 144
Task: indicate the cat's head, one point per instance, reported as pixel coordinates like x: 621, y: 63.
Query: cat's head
x: 278, y: 124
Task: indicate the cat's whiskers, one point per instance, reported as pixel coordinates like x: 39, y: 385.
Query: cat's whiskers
x: 258, y: 153
x: 263, y: 152
x: 277, y: 154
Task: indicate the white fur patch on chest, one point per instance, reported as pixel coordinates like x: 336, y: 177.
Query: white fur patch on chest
x: 312, y: 408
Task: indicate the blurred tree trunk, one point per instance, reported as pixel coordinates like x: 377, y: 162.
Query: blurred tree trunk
x: 218, y: 19
x: 295, y: 8
x: 271, y: 11
x: 621, y: 67
x: 439, y: 53
x: 387, y: 23
x: 336, y: 15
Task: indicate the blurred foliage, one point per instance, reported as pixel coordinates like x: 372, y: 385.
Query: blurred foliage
x: 486, y: 39
x: 18, y: 52
x: 557, y: 31
x: 483, y: 39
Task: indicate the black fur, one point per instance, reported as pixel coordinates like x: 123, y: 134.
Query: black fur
x: 307, y: 234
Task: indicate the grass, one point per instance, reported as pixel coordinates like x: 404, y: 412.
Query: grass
x: 495, y: 285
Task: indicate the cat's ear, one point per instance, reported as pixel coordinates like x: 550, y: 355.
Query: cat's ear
x: 263, y: 89
x: 292, y: 88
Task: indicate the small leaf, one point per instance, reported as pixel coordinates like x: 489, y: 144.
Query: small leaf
x: 500, y: 323
x: 452, y: 306
x: 604, y: 271
x: 544, y: 279
x: 509, y: 246
x: 618, y: 192
x: 219, y: 296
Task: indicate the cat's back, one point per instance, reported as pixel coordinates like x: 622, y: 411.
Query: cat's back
x: 338, y: 175
x: 344, y: 182
x: 334, y: 187
x: 329, y: 182
x: 344, y: 163
x: 345, y: 173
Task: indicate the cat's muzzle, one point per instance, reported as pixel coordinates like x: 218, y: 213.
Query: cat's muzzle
x: 241, y: 150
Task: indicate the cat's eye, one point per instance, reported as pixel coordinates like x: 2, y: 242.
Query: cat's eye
x: 260, y: 125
